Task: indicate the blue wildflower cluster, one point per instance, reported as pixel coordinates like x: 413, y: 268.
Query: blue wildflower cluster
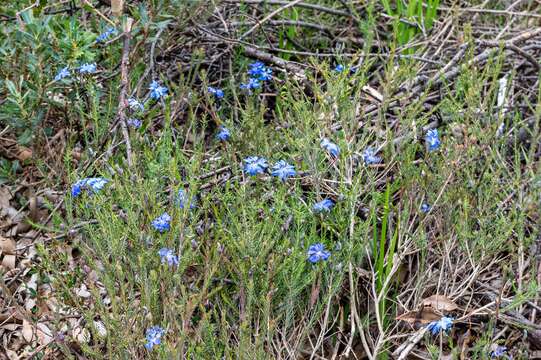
x: 218, y: 93
x: 104, y: 36
x: 254, y: 165
x: 499, y: 352
x: 370, y: 157
x: 157, y: 91
x: 154, y: 337
x: 134, y: 123
x: 183, y: 198
x: 87, y: 68
x: 92, y: 185
x: 135, y: 104
x: 432, y: 140
x: 223, y: 133
x: 168, y: 257
x: 162, y: 223
x: 442, y: 325
x: 317, y: 253
x: 283, y: 170
x: 425, y: 207
x: 331, y: 147
x: 258, y: 73
x: 323, y: 206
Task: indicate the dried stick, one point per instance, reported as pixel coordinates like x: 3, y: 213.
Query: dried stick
x: 122, y: 101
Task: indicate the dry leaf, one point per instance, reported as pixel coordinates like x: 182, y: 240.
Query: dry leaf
x: 7, y: 246
x: 24, y: 153
x: 424, y: 316
x: 8, y: 261
x: 28, y: 333
x: 45, y: 335
x: 440, y: 303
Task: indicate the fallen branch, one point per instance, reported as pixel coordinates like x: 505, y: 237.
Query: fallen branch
x: 122, y: 101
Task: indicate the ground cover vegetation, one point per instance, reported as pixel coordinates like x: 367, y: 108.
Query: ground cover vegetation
x: 249, y: 179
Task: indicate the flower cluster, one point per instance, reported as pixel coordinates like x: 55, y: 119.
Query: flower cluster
x: 258, y: 73
x: 183, y: 198
x: 499, y: 352
x: 134, y: 123
x: 135, y: 104
x: 432, y: 140
x: 254, y: 165
x: 162, y: 223
x: 93, y: 185
x: 168, y: 256
x: 317, y: 252
x: 218, y: 93
x: 104, y: 36
x: 323, y: 206
x: 370, y: 157
x: 87, y: 68
x: 443, y: 324
x: 331, y: 147
x: 283, y: 170
x: 154, y: 337
x: 425, y: 207
x: 223, y: 133
x: 157, y: 91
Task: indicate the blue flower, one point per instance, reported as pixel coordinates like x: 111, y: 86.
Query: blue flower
x: 223, y: 134
x: 331, y: 147
x: 339, y: 68
x: 317, y: 252
x: 92, y: 184
x: 432, y: 139
x: 162, y: 222
x: 259, y: 71
x: 62, y: 73
x: 251, y: 84
x: 154, y: 337
x: 183, y: 198
x: 87, y: 68
x: 498, y: 352
x: 157, y: 91
x: 283, y: 170
x: 323, y: 206
x: 134, y: 123
x: 443, y: 324
x: 425, y: 207
x: 370, y: 157
x: 218, y: 93
x: 135, y: 104
x: 254, y: 165
x: 106, y: 34
x: 168, y: 256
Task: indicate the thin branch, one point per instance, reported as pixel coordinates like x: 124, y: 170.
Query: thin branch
x: 122, y: 102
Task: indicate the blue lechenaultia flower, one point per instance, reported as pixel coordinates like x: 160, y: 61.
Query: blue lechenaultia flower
x: 183, y: 198
x: 218, y: 93
x: 254, y: 165
x: 87, y: 68
x: 425, y: 207
x: 323, y: 206
x: 498, y: 352
x: 135, y: 104
x: 339, y: 68
x: 251, y: 84
x: 162, y: 222
x: 432, y: 140
x: 259, y: 71
x: 154, y: 337
x: 223, y: 133
x: 317, y: 252
x: 283, y: 170
x: 443, y: 324
x: 370, y: 157
x: 106, y: 35
x: 156, y: 90
x: 134, y: 123
x: 331, y: 147
x: 168, y: 256
x: 93, y: 185
x: 62, y: 73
